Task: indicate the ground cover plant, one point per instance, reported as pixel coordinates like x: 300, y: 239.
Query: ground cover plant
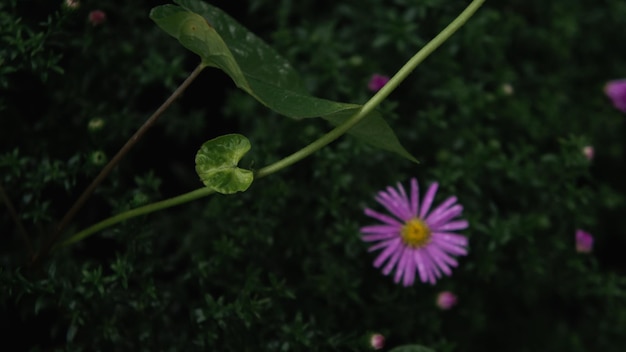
x: 474, y: 202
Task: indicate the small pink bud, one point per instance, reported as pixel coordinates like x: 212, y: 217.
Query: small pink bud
x: 377, y: 341
x: 588, y: 152
x: 584, y: 241
x: 97, y: 17
x: 446, y: 300
x: 377, y: 82
x: 616, y: 91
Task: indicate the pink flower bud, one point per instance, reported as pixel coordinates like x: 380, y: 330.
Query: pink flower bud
x: 377, y: 341
x: 377, y: 82
x: 584, y: 241
x: 446, y: 300
x: 588, y: 152
x: 616, y: 91
x: 97, y: 17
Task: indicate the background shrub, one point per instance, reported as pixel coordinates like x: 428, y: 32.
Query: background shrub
x: 281, y: 266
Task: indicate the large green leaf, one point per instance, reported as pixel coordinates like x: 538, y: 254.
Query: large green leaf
x: 260, y: 71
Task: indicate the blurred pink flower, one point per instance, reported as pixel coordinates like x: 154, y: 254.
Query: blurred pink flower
x: 588, y: 152
x: 97, y: 17
x: 584, y: 241
x: 377, y: 341
x: 616, y: 91
x: 377, y: 82
x: 446, y: 300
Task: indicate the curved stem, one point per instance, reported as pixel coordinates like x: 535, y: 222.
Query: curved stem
x: 115, y: 160
x: 371, y: 104
x: 146, y: 209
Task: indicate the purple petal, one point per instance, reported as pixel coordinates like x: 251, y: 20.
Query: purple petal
x: 451, y: 226
x: 442, y: 208
x: 435, y: 271
x: 441, y: 218
x: 409, y: 273
x: 395, y: 205
x: 402, y: 265
x: 401, y: 193
x: 378, y: 237
x: 382, y: 217
x: 437, y: 257
x: 381, y: 229
x: 450, y: 237
x: 393, y: 261
x: 392, y: 247
x: 421, y: 266
x: 449, y: 247
x: 428, y: 199
x: 431, y: 276
x: 424, y: 265
x: 381, y: 244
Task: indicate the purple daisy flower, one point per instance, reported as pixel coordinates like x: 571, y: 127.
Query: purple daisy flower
x: 416, y: 240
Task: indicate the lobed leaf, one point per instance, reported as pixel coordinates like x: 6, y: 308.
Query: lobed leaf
x: 216, y: 164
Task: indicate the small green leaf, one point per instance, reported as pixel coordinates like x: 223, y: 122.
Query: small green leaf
x: 216, y: 164
x: 412, y: 348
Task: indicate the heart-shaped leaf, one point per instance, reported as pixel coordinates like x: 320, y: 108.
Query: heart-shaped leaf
x: 216, y: 164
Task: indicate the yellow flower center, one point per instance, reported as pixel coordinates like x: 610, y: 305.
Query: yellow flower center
x: 415, y: 233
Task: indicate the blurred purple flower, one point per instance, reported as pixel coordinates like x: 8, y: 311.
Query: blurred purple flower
x: 446, y: 300
x: 584, y: 241
x: 377, y: 341
x: 416, y: 240
x: 616, y: 91
x: 377, y: 82
x: 97, y: 17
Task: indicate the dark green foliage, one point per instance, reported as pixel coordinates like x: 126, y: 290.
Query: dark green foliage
x: 281, y: 267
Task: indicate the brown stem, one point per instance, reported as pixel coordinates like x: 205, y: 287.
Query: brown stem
x: 5, y: 198
x: 114, y: 161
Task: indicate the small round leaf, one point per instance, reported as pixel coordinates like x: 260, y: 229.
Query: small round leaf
x: 216, y: 164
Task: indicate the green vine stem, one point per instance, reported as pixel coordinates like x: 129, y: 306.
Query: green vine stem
x: 326, y: 139
x: 146, y: 209
x: 379, y: 97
